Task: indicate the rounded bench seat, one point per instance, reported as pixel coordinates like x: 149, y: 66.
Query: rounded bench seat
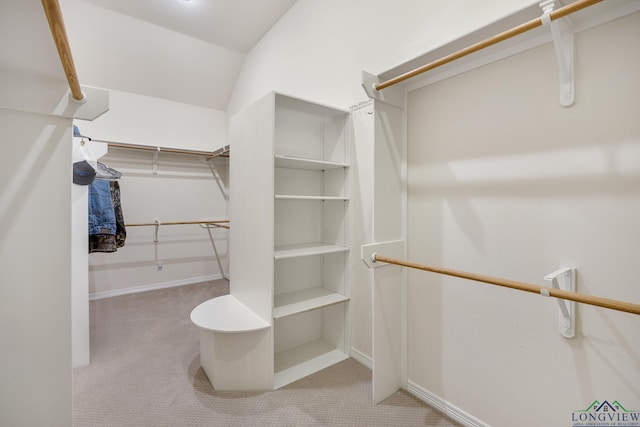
x: 235, y: 344
x: 226, y: 314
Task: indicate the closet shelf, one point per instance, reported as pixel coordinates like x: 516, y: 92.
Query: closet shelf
x: 282, y: 161
x: 307, y: 249
x: 305, y: 300
x: 291, y: 365
x: 294, y: 197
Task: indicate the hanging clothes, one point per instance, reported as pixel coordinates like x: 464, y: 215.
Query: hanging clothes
x: 107, y: 231
x: 102, y: 219
x: 121, y: 232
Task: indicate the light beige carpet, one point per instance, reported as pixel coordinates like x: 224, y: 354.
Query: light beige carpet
x: 145, y: 371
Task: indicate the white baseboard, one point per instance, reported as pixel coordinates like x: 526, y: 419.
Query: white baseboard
x: 443, y: 406
x: 429, y: 398
x: 155, y: 286
x: 362, y: 358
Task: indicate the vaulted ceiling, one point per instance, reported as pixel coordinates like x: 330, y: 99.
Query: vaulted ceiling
x: 185, y: 51
x: 233, y: 24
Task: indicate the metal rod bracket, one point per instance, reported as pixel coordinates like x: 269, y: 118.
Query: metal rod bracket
x: 565, y: 278
x: 562, y: 35
x: 154, y: 164
x: 155, y: 230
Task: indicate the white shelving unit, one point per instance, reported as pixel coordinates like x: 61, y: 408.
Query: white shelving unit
x: 311, y: 193
x: 289, y: 198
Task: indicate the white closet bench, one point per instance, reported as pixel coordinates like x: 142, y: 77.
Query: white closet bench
x: 231, y: 338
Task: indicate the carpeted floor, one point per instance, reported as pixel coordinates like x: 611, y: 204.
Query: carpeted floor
x: 145, y: 371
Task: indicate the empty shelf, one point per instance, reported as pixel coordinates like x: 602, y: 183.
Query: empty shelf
x: 282, y: 161
x: 305, y: 300
x: 294, y: 197
x: 307, y: 249
x: 298, y: 362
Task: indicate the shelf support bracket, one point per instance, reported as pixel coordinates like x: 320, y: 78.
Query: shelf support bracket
x: 565, y: 278
x: 562, y: 35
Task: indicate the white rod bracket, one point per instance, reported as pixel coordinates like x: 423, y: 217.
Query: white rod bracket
x: 565, y: 278
x: 394, y: 249
x: 154, y: 164
x: 391, y: 95
x: 563, y: 44
x: 80, y: 101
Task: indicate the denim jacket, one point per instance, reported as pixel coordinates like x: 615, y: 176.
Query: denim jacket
x: 102, y: 219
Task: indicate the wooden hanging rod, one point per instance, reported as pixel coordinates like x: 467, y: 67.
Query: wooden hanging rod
x: 534, y: 23
x: 222, y: 152
x: 59, y: 33
x: 150, y: 224
x: 521, y: 286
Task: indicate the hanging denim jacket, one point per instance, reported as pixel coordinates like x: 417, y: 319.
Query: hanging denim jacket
x: 102, y: 220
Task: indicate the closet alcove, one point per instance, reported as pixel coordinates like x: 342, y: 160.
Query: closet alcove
x: 181, y: 190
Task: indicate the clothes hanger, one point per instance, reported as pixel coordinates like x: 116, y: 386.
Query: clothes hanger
x: 103, y: 172
x: 107, y: 173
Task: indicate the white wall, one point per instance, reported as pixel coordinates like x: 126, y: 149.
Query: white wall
x: 505, y: 182
x: 153, y: 121
x: 318, y: 50
x: 35, y: 270
x: 184, y: 189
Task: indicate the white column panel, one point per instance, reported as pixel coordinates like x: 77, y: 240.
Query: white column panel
x: 388, y: 219
x: 251, y: 184
x: 35, y: 270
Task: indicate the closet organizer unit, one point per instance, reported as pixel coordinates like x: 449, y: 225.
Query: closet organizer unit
x: 289, y: 179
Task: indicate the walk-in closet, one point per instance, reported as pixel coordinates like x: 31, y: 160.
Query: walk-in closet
x: 319, y: 213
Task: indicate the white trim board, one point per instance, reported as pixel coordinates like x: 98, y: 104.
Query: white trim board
x: 156, y: 286
x: 427, y: 397
x: 362, y: 358
x: 443, y: 406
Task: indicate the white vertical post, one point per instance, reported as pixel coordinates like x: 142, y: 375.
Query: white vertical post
x: 388, y: 285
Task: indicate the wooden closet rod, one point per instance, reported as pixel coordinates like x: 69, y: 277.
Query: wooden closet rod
x: 521, y: 286
x: 59, y: 33
x: 150, y: 224
x: 534, y: 23
x: 221, y: 152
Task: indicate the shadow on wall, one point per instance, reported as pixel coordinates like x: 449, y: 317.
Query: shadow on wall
x: 31, y: 151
